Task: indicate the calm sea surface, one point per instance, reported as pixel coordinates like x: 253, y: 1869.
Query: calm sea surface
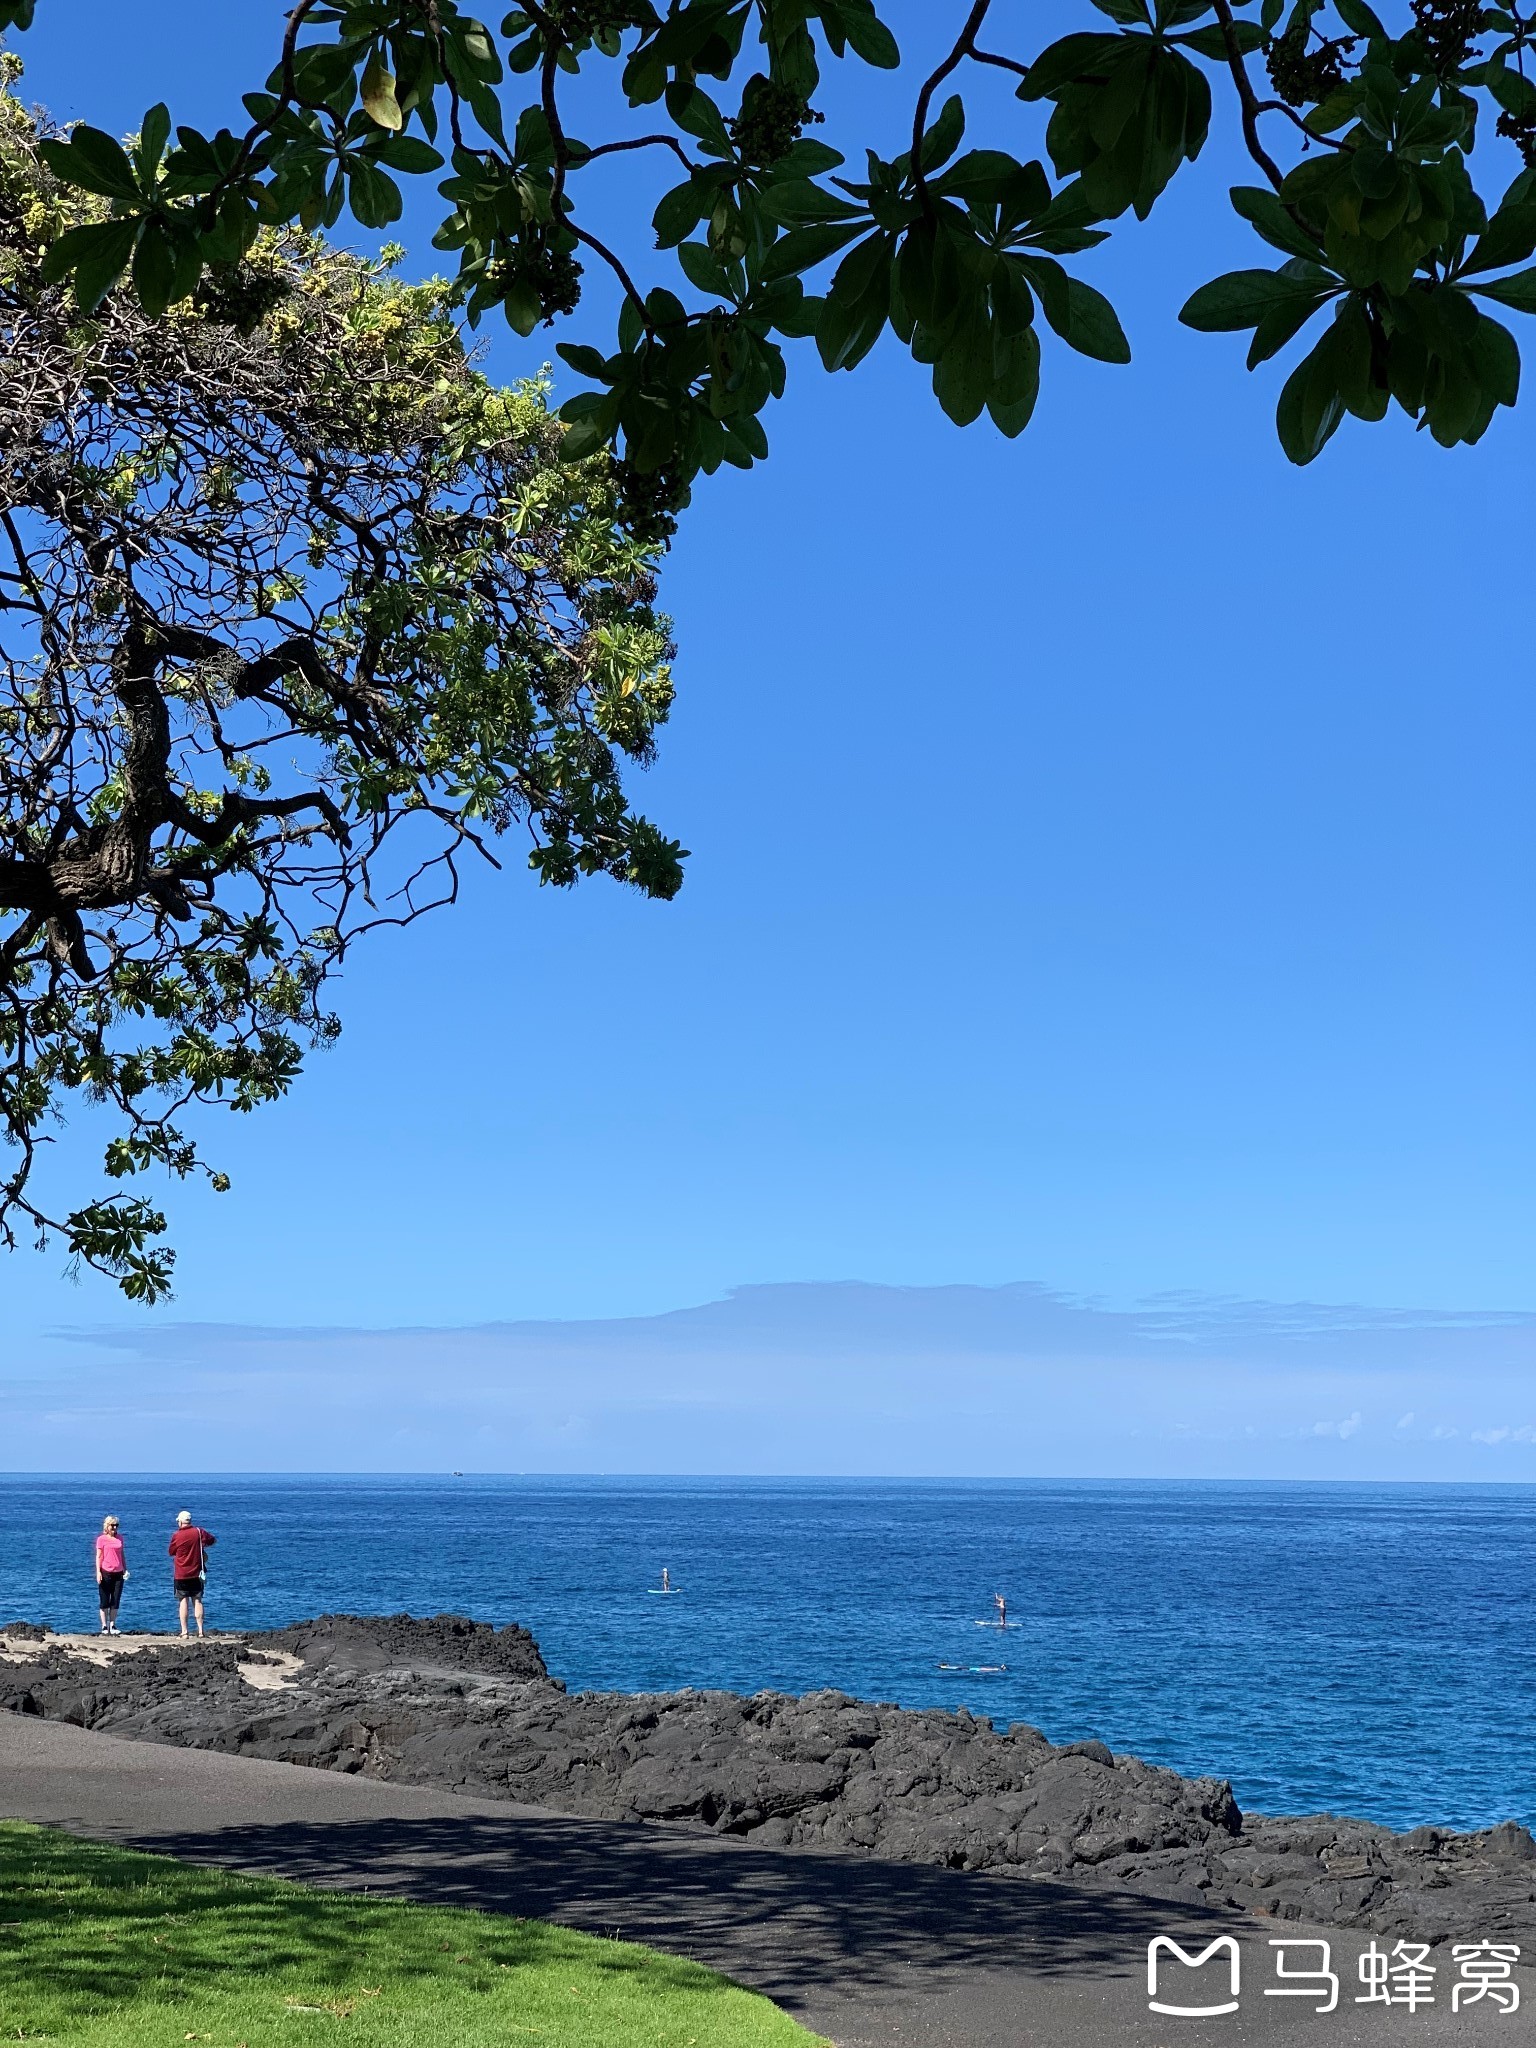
x: 1369, y: 1649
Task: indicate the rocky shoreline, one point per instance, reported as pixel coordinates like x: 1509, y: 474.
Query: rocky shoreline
x: 455, y: 1704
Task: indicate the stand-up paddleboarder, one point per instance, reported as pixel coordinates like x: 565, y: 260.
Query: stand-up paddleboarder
x: 111, y: 1570
x: 189, y: 1547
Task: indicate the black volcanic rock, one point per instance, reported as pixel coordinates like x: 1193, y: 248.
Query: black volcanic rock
x: 374, y: 1642
x: 452, y: 1703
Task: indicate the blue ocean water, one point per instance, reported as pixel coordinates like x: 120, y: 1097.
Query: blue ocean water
x: 1369, y: 1650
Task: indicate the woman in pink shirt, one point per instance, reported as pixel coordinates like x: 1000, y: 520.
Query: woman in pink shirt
x: 111, y: 1570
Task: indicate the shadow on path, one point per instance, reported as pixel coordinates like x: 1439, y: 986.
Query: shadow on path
x: 790, y: 1924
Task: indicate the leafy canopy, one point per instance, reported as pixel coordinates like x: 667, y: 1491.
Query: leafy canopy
x: 1362, y: 132
x: 297, y: 611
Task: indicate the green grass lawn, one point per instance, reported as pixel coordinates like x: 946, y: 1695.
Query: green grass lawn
x: 106, y: 1948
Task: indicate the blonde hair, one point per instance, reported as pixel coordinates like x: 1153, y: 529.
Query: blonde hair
x: 108, y: 1522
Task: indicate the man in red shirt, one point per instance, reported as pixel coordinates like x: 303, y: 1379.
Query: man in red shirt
x: 189, y: 1566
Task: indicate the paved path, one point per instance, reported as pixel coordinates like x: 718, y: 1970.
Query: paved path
x: 875, y: 1955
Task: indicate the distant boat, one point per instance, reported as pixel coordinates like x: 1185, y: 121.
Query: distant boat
x: 975, y: 1667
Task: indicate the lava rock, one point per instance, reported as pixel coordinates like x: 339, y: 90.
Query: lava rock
x: 375, y: 1642
x: 448, y: 1702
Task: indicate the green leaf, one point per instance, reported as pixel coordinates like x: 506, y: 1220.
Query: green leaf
x: 1510, y: 237
x: 696, y: 114
x: 680, y: 212
x: 803, y: 248
x: 154, y: 131
x: 1273, y: 220
x: 585, y: 361
x: 1352, y: 357
x: 1518, y: 292
x: 749, y: 431
x: 808, y: 159
x: 1093, y: 326
x: 1243, y: 298
x: 154, y: 269
x: 1311, y: 405
x: 991, y: 175
x: 92, y: 160
x: 797, y: 202
x: 521, y: 307
x: 375, y: 198
x: 1279, y: 325
x: 1065, y: 61
x: 486, y: 107
x: 862, y: 265
x: 963, y: 375
x: 1495, y: 356
x: 1050, y: 282
x: 1211, y: 42
x: 702, y: 267
x: 942, y: 140
x: 409, y: 154
x: 1357, y: 16
x: 794, y: 313
x: 868, y: 36
x: 1017, y: 385
x: 96, y: 255
x: 378, y: 94
x: 1514, y: 92
x: 848, y: 328
x: 580, y: 439
x: 474, y: 39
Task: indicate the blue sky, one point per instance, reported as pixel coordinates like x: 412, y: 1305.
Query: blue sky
x: 1112, y: 860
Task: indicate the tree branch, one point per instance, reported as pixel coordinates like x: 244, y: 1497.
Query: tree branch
x: 964, y: 45
x: 1247, y: 98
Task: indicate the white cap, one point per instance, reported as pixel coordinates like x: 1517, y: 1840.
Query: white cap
x: 183, y: 1518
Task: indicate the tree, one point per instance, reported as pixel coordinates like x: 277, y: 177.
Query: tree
x: 1362, y: 136
x: 296, y: 611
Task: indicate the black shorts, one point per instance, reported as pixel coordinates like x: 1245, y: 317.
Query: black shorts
x: 110, y: 1585
x: 189, y: 1589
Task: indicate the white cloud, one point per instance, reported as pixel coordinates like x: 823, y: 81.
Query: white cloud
x: 937, y: 1381
x: 1347, y: 1428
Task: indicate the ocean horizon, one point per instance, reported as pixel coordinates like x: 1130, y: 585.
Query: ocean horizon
x: 1354, y: 1647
